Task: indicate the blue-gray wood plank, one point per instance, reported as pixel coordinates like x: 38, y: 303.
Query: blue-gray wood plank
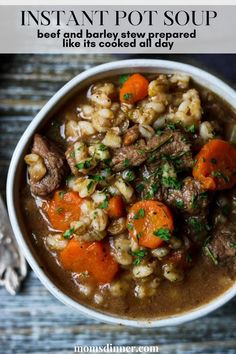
x: 34, y: 321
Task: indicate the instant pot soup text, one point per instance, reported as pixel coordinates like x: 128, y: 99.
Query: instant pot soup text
x: 129, y: 195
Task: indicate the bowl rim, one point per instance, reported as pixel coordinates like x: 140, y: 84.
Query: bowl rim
x: 215, y: 84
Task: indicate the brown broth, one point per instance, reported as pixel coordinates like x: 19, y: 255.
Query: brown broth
x: 203, y: 282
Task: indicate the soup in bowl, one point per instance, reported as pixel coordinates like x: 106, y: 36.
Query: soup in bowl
x: 124, y: 186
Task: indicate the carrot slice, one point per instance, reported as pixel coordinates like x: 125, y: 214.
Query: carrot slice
x: 150, y: 222
x: 92, y: 257
x: 116, y: 207
x: 215, y: 165
x: 134, y: 89
x: 63, y: 209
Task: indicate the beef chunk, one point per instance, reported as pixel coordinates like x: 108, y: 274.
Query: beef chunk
x: 133, y: 155
x: 171, y: 145
x: 176, y: 149
x: 191, y: 198
x: 55, y: 163
x: 222, y: 246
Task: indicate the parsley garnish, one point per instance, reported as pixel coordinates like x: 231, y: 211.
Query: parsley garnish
x: 123, y: 78
x: 163, y: 233
x: 128, y: 175
x: 104, y: 204
x: 61, y: 194
x: 179, y: 203
x: 126, y: 162
x: 68, y: 233
x: 72, y: 154
x: 130, y: 227
x: 59, y: 210
x: 150, y: 194
x: 139, y: 235
x: 195, y: 224
x: 83, y: 165
x: 140, y: 187
x: 219, y: 174
x: 203, y: 195
x: 171, y: 126
x: 139, y: 255
x: 107, y: 162
x: 97, y: 178
x: 213, y: 161
x: 191, y: 129
x: 90, y: 185
x: 194, y: 203
x: 159, y: 132
x: 171, y: 182
x: 139, y: 214
x: 210, y: 254
x: 102, y: 147
x: 233, y: 245
x: 127, y: 96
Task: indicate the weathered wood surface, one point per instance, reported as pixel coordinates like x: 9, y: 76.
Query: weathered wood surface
x: 34, y: 321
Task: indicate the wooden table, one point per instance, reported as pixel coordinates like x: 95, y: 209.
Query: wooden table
x: 34, y: 321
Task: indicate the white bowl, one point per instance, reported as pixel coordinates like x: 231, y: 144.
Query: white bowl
x: 13, y: 182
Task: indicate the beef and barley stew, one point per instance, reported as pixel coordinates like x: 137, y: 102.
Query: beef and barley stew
x: 129, y: 195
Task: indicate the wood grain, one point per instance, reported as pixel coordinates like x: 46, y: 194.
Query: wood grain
x: 34, y: 321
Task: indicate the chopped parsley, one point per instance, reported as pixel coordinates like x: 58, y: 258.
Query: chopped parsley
x: 104, y: 204
x: 123, y: 78
x: 90, y: 185
x: 159, y: 131
x: 171, y: 182
x: 72, y: 154
x: 139, y: 235
x: 213, y: 161
x: 59, y: 210
x: 194, y: 203
x: 233, y: 245
x: 210, y: 254
x: 150, y: 194
x: 191, y: 129
x: 219, y: 174
x: 196, y: 225
x: 139, y: 255
x: 171, y: 126
x: 140, y: 187
x: 102, y: 147
x: 140, y: 214
x: 163, y: 233
x: 97, y: 178
x: 141, y: 151
x: 68, y: 233
x: 130, y: 226
x: 128, y: 175
x: 61, y: 194
x: 83, y: 165
x: 203, y: 195
x: 107, y: 162
x: 126, y: 162
x: 127, y: 96
x: 179, y: 203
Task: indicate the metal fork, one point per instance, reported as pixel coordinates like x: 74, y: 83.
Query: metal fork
x: 13, y: 267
